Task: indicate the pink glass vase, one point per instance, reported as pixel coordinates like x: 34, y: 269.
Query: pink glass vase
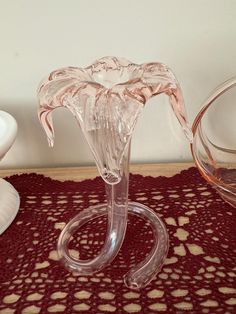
x: 106, y: 99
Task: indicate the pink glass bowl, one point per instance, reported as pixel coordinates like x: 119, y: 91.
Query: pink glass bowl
x: 214, y: 140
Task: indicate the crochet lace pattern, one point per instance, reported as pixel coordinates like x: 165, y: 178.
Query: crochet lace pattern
x: 199, y: 275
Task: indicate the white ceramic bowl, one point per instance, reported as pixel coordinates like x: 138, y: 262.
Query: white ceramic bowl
x: 8, y: 130
x: 9, y: 197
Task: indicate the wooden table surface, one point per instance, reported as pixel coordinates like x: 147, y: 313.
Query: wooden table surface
x: 81, y: 173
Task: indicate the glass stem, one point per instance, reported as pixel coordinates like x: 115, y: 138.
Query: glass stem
x: 116, y: 210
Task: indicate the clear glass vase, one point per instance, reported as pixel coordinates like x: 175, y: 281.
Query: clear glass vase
x: 106, y: 99
x: 214, y: 144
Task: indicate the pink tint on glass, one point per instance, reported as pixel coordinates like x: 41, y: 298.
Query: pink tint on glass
x: 214, y: 145
x: 106, y: 99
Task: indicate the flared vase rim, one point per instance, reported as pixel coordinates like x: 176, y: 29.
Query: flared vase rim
x: 111, y: 63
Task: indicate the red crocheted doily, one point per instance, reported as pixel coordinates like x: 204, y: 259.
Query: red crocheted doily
x: 199, y: 274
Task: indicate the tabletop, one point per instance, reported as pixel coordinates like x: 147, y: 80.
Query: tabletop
x: 85, y: 172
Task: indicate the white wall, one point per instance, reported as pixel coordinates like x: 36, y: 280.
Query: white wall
x: 197, y: 39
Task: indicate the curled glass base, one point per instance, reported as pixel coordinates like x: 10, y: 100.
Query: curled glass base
x: 138, y: 276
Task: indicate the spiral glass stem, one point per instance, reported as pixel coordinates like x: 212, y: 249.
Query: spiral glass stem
x: 116, y: 211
